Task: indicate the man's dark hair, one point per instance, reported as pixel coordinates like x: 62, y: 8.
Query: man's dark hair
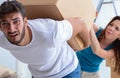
x: 8, y: 7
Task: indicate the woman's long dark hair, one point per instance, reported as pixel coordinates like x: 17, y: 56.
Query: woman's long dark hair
x: 116, y: 45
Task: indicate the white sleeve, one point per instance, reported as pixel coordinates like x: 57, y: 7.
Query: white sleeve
x: 63, y: 31
x: 56, y: 31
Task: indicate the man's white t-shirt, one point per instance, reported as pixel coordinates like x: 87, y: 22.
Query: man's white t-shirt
x: 48, y: 55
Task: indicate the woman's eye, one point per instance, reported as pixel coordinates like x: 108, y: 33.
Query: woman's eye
x: 117, y: 28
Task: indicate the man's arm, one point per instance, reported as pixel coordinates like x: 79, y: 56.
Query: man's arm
x: 80, y: 27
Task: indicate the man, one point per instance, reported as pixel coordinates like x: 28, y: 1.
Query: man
x: 41, y: 43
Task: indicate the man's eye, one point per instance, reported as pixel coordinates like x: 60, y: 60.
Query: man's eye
x: 4, y: 23
x: 16, y: 22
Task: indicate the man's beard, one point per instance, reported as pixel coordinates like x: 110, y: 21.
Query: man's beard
x: 22, y: 35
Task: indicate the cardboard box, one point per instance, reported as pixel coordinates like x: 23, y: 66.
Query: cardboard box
x: 114, y: 74
x: 111, y: 64
x: 61, y: 9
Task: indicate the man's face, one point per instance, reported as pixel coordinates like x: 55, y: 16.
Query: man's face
x: 13, y: 26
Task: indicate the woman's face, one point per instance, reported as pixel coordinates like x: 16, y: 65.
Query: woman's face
x: 113, y: 30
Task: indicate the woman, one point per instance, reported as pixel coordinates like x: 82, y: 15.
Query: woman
x: 106, y: 46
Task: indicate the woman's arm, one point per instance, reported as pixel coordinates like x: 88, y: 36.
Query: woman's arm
x: 95, y: 45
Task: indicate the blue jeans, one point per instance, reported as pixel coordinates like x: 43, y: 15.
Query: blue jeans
x: 74, y: 74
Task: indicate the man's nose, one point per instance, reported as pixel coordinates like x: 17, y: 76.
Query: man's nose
x: 11, y: 27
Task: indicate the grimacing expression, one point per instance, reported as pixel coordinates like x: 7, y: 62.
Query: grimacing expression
x: 113, y: 30
x: 13, y: 27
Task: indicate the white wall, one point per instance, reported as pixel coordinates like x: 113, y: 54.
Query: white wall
x: 2, y: 1
x: 23, y: 70
x: 7, y: 59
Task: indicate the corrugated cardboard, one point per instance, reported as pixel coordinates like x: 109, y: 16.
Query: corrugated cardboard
x: 111, y: 64
x: 61, y: 9
x: 114, y: 74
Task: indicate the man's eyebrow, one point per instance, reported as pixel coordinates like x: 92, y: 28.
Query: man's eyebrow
x: 3, y: 21
x: 15, y: 18
x: 7, y: 20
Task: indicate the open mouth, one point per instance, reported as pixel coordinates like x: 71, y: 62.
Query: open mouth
x: 13, y: 35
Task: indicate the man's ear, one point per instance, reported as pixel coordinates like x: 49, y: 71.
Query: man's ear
x: 0, y: 28
x: 25, y: 21
x: 0, y: 25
